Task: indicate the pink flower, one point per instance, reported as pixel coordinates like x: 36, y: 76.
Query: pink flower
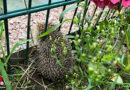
x: 111, y: 3
x: 99, y: 3
x: 115, y: 1
x: 126, y: 3
x: 102, y: 3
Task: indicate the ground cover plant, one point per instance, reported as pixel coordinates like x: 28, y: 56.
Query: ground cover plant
x: 102, y: 53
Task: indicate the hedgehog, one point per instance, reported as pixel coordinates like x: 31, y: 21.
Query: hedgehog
x: 49, y: 67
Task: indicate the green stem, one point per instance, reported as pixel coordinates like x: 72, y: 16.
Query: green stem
x: 84, y: 13
x: 122, y: 41
x: 128, y: 57
x: 82, y: 24
x: 116, y: 41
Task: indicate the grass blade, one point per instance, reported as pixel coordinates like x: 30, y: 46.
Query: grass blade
x: 5, y: 76
x: 50, y: 30
x: 65, y: 11
x: 1, y: 28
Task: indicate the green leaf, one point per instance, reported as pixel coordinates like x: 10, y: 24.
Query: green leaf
x: 113, y: 84
x: 50, y: 30
x: 79, y: 16
x: 74, y: 51
x: 75, y: 42
x: 107, y: 58
x: 5, y: 76
x: 1, y: 28
x: 82, y: 5
x: 117, y: 79
x: 89, y: 85
x: 1, y: 64
x: 75, y: 20
x: 70, y: 36
x: 73, y: 87
x: 88, y: 19
x: 65, y: 11
x: 66, y: 20
x: 4, y: 57
x: 122, y: 60
x: 128, y: 37
x: 82, y: 73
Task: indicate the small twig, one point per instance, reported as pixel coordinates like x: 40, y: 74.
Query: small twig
x: 43, y: 85
x: 50, y: 84
x: 22, y: 85
x: 32, y: 73
x: 25, y: 72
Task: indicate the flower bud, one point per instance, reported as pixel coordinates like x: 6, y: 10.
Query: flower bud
x: 101, y: 41
x: 63, y: 38
x: 50, y: 38
x: 98, y: 28
x: 58, y: 38
x: 70, y: 42
x: 79, y: 40
x: 94, y: 44
x: 62, y: 44
x: 123, y: 33
x: 100, y: 52
x: 77, y: 35
x: 97, y: 40
x: 65, y: 51
x: 94, y: 58
x: 55, y: 41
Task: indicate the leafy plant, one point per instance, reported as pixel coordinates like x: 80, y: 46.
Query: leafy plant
x: 100, y: 54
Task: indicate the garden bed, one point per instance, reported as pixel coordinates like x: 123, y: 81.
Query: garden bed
x: 95, y: 57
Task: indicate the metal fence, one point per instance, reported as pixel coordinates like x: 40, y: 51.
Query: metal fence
x: 32, y: 9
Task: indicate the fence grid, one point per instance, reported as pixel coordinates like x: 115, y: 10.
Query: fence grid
x: 33, y: 9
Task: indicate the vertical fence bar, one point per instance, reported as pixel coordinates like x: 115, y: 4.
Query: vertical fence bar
x: 113, y: 13
x: 28, y: 30
x: 86, y: 9
x: 62, y: 18
x: 99, y: 17
x: 6, y: 32
x: 6, y: 27
x: 93, y: 13
x: 107, y: 14
x: 73, y: 18
x: 47, y: 16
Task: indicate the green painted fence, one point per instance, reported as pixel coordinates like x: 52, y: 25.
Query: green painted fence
x: 33, y: 9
